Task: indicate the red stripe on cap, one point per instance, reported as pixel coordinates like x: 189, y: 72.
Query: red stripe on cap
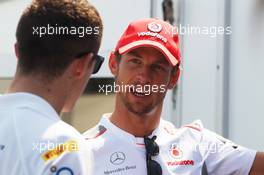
x: 154, y: 44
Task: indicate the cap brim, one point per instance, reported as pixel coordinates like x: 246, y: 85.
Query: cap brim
x: 133, y: 45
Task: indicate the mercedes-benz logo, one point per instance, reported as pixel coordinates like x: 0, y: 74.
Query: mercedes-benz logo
x: 117, y: 158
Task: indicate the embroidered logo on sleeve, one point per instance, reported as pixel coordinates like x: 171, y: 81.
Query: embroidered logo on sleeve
x: 69, y: 146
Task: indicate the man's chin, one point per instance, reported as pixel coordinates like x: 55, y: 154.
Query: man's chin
x: 137, y: 106
x: 140, y: 110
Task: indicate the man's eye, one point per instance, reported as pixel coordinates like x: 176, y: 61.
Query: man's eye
x: 158, y: 68
x: 135, y: 61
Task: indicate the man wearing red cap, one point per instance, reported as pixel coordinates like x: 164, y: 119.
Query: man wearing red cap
x: 134, y: 140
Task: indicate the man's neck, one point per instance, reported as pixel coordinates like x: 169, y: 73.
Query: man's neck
x: 33, y: 85
x: 134, y: 124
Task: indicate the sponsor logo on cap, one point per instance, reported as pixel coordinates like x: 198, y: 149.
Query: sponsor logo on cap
x: 152, y: 34
x: 154, y: 27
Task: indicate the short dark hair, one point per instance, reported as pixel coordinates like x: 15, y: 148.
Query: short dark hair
x: 51, y: 54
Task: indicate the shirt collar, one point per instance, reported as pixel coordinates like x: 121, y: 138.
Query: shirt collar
x: 28, y: 100
x: 131, y: 139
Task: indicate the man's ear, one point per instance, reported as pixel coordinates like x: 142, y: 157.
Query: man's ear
x: 16, y: 50
x: 174, y: 79
x: 81, y: 66
x: 113, y: 64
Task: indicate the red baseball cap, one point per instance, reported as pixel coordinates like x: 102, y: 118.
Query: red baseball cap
x: 154, y: 33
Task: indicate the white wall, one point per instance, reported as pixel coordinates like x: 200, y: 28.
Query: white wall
x: 201, y: 54
x: 10, y: 12
x: 203, y: 93
x: 246, y: 73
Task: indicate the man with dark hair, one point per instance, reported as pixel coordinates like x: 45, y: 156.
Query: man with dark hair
x: 57, y: 46
x: 134, y: 139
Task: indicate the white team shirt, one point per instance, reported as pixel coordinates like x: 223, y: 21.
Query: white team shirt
x: 34, y: 140
x: 189, y: 150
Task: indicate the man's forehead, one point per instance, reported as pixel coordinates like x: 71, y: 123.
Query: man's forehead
x: 154, y: 53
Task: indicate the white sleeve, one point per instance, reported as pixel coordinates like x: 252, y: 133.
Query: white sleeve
x: 223, y: 157
x: 68, y: 158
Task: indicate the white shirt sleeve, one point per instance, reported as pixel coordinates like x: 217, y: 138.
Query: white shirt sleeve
x: 223, y: 157
x: 64, y: 159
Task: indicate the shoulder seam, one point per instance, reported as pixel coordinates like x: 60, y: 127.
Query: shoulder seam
x: 98, y: 134
x: 193, y: 127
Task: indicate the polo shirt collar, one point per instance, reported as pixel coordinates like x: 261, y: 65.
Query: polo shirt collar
x: 131, y: 139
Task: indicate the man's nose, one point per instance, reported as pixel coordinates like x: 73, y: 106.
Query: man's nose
x: 144, y: 75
